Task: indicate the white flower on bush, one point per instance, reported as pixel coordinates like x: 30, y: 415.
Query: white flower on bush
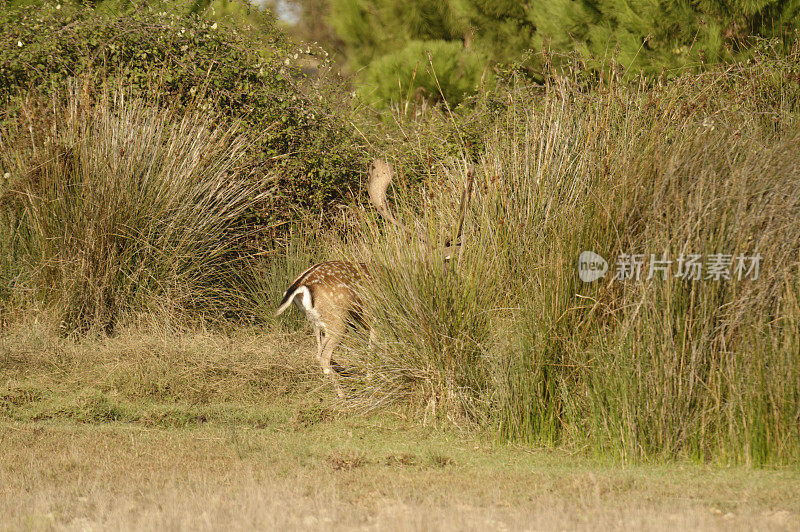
x: 19, y: 43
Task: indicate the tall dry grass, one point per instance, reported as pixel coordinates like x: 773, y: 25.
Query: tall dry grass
x: 112, y: 206
x: 648, y: 368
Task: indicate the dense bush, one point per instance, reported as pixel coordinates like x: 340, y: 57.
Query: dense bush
x: 302, y: 147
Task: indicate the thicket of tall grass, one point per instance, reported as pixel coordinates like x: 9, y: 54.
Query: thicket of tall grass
x: 651, y: 368
x: 112, y: 207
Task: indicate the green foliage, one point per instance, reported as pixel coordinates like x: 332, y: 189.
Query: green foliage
x: 648, y: 36
x: 500, y: 30
x: 372, y: 28
x: 653, y: 35
x: 302, y: 144
x: 427, y: 69
x: 388, y: 43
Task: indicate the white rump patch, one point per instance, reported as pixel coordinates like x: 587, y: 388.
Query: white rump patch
x: 302, y: 298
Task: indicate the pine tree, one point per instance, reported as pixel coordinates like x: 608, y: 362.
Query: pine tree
x: 652, y: 35
x: 423, y: 69
x: 501, y: 29
x: 383, y: 40
x: 392, y: 45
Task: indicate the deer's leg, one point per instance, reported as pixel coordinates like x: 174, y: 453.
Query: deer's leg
x: 318, y: 336
x: 329, y: 343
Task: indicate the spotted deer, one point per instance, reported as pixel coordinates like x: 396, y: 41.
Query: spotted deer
x: 327, y: 293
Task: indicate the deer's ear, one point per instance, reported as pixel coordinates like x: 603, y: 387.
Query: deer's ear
x: 381, y: 174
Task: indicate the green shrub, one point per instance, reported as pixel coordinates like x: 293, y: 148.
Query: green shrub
x: 423, y: 70
x: 302, y: 147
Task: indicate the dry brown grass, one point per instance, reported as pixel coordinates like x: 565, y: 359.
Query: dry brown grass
x: 127, y: 477
x: 154, y: 378
x: 115, y: 206
x: 207, y: 430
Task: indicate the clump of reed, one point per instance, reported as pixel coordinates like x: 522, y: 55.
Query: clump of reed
x: 507, y: 334
x: 112, y: 206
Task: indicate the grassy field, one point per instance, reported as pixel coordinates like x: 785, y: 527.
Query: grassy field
x: 149, y: 229
x: 205, y: 430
